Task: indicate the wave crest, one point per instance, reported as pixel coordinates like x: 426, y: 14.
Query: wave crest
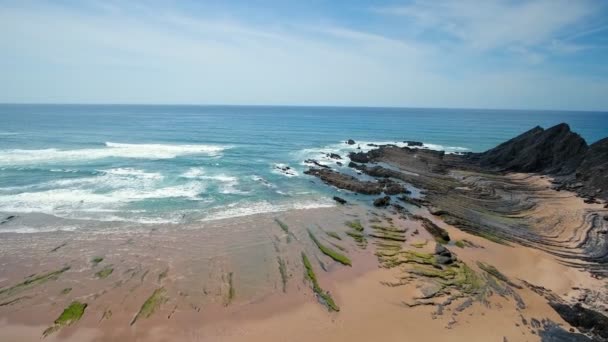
x: 111, y: 150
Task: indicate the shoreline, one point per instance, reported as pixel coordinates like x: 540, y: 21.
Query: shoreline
x: 265, y: 317
x: 439, y: 246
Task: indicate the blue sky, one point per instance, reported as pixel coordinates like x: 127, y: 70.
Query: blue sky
x: 545, y: 54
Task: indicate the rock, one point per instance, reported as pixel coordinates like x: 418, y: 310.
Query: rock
x: 429, y: 291
x: 432, y: 228
x: 339, y: 163
x: 605, y: 217
x: 346, y: 182
x: 8, y: 219
x: 350, y: 141
x: 443, y: 256
x: 359, y: 157
x: 382, y: 201
x: 556, y: 150
x: 340, y: 200
x: 334, y: 156
x: 586, y: 320
x: 413, y: 143
x: 413, y: 201
x: 314, y: 162
x: 393, y: 188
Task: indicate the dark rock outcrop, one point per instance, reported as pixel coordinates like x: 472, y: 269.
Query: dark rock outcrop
x: 340, y: 200
x: 346, y: 182
x: 586, y: 320
x: 316, y: 163
x: 382, y: 201
x: 350, y: 141
x: 413, y: 143
x: 334, y: 156
x: 433, y: 229
x: 591, y: 176
x: 443, y: 256
x: 359, y: 157
x: 556, y: 150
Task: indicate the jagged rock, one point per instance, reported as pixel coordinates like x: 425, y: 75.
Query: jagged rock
x: 413, y: 143
x: 586, y: 320
x: 340, y: 200
x: 314, y: 162
x: 593, y: 170
x: 350, y: 141
x: 382, y: 201
x: 432, y: 228
x: 334, y: 156
x: 556, y: 150
x: 359, y: 157
x: 443, y: 256
x: 393, y: 188
x: 339, y: 163
x: 346, y: 182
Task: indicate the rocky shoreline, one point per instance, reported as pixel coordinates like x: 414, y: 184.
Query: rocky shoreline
x: 489, y: 195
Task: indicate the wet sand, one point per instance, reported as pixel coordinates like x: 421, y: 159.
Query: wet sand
x: 222, y: 281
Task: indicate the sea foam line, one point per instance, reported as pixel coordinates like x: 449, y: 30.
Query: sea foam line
x: 111, y: 150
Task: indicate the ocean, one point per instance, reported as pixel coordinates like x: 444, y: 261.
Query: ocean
x: 69, y: 167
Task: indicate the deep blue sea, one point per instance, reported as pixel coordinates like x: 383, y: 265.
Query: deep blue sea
x: 175, y: 164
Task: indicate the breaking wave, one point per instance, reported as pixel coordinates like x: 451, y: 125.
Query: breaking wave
x: 111, y: 150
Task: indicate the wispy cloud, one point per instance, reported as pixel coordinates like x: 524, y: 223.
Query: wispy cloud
x: 441, y: 53
x: 495, y: 24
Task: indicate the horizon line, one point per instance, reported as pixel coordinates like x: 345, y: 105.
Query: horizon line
x: 296, y: 106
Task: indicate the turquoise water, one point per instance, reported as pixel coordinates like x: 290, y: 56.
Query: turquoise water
x: 154, y: 164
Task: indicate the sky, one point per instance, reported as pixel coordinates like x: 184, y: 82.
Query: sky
x: 517, y: 54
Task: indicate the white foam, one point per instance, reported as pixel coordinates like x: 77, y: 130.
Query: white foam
x: 240, y: 209
x: 343, y: 149
x: 227, y: 183
x: 107, y: 191
x: 263, y: 181
x: 111, y: 150
x: 277, y: 168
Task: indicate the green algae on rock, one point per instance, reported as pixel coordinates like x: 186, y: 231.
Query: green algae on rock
x: 337, y: 256
x: 323, y: 296
x: 105, y: 272
x: 356, y: 225
x: 96, y: 260
x: 70, y: 315
x: 333, y: 235
x: 31, y: 282
x: 283, y: 272
x: 285, y: 228
x: 158, y: 298
x: 231, y: 290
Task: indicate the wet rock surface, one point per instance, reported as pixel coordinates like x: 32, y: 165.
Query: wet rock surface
x: 474, y: 193
x: 382, y: 201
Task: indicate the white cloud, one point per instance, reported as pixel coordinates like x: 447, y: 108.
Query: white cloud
x: 118, y: 54
x: 493, y: 24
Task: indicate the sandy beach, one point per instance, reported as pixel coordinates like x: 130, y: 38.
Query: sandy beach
x: 222, y: 281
